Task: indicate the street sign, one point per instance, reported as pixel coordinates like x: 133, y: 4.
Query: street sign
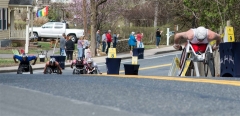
x: 112, y: 53
x: 229, y: 34
x: 134, y: 60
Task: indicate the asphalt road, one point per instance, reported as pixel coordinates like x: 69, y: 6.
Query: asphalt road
x: 104, y: 95
x: 156, y: 65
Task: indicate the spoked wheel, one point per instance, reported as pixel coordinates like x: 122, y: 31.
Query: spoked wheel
x: 30, y: 69
x: 183, y: 59
x: 20, y: 70
x: 48, y: 70
x: 74, y: 71
x: 95, y: 71
x: 209, y: 64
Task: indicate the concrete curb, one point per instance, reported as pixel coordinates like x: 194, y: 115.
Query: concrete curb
x: 162, y: 52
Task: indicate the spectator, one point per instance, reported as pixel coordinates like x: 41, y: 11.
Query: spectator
x: 87, y: 53
x: 62, y: 45
x: 98, y: 40
x: 139, y: 38
x: 115, y: 39
x: 80, y: 47
x: 69, y: 49
x: 86, y: 44
x: 52, y: 42
x: 132, y: 42
x: 104, y: 41
x: 109, y: 40
x: 158, y: 37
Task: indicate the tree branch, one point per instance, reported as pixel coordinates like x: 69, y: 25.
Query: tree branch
x: 100, y: 2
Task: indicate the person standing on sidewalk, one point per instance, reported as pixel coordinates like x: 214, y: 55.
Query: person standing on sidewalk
x: 62, y: 45
x: 132, y: 42
x: 80, y: 47
x: 139, y: 39
x: 98, y: 40
x: 109, y: 40
x: 69, y: 49
x: 86, y: 44
x: 158, y: 37
x: 115, y: 39
x: 104, y: 41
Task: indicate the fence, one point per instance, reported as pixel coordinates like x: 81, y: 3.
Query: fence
x: 17, y: 34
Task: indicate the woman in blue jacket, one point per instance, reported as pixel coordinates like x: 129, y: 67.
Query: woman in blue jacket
x: 132, y: 42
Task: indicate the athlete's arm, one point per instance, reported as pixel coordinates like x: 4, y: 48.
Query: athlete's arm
x: 16, y: 57
x: 58, y: 66
x: 33, y: 58
x: 214, y: 36
x: 46, y: 65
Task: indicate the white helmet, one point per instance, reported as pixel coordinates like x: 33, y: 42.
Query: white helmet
x: 201, y: 33
x: 52, y: 61
x: 89, y: 60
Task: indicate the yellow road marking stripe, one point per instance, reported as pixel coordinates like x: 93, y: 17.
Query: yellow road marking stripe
x: 184, y: 79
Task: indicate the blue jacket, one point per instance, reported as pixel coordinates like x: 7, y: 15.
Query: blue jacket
x: 132, y: 41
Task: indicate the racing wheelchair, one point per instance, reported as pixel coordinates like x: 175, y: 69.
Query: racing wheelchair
x: 52, y: 69
x: 189, y: 54
x: 24, y: 68
x: 79, y: 67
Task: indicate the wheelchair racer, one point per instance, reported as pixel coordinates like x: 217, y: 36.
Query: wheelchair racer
x: 198, y: 37
x: 24, y: 59
x: 52, y: 63
x: 91, y: 64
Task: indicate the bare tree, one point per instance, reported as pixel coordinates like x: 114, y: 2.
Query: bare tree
x: 94, y: 9
x: 85, y: 19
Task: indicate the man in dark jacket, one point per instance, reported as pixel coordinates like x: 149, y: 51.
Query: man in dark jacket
x: 69, y: 49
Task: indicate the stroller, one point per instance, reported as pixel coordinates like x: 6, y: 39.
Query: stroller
x: 79, y: 67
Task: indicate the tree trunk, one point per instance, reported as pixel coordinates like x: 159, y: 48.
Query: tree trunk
x: 156, y: 13
x: 94, y: 6
x: 85, y: 19
x: 93, y: 27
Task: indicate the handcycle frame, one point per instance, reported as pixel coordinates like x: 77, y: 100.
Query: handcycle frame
x: 50, y: 70
x: 78, y: 70
x: 24, y: 68
x: 188, y: 53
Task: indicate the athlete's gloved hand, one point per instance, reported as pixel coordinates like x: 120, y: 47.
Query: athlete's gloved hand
x: 177, y: 47
x: 215, y: 47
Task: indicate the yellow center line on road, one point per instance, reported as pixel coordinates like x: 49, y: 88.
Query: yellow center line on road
x: 183, y: 79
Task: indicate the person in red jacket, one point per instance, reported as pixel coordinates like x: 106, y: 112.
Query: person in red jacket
x: 109, y: 40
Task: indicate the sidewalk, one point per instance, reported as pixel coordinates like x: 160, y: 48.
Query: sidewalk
x: 97, y: 59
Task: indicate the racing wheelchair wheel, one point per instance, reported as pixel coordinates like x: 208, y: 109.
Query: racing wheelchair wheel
x: 183, y: 59
x: 209, y: 64
x: 48, y: 70
x: 74, y: 71
x: 20, y: 70
x: 30, y: 69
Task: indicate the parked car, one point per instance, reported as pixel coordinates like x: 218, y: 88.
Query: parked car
x: 55, y: 30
